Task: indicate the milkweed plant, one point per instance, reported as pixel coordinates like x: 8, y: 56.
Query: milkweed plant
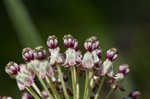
x: 46, y: 75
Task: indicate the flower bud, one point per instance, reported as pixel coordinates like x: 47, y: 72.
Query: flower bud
x: 44, y: 93
x: 99, y: 53
x: 12, y: 68
x: 124, y: 69
x: 39, y: 53
x: 134, y: 94
x: 88, y: 45
x: 26, y: 96
x: 112, y: 54
x: 27, y: 54
x: 91, y: 44
x: 70, y: 42
x: 95, y: 43
x: 52, y: 42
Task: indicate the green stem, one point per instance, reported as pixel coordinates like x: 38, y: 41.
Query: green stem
x: 62, y: 82
x: 53, y: 87
x: 109, y: 93
x: 78, y: 93
x: 44, y: 85
x: 100, y: 88
x: 32, y: 92
x: 37, y: 90
x: 91, y: 78
x: 86, y: 86
x: 74, y: 82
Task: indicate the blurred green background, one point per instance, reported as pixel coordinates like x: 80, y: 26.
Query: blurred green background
x: 122, y: 24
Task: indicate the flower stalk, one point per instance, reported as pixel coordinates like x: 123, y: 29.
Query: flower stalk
x: 109, y: 93
x: 37, y: 90
x: 52, y: 79
x: 100, y: 88
x: 74, y: 81
x: 62, y: 82
x: 86, y: 90
x: 44, y: 85
x: 53, y: 88
x: 32, y: 93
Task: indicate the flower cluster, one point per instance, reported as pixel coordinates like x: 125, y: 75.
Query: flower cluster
x: 47, y: 69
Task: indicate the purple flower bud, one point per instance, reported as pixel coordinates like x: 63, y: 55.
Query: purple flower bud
x: 95, y: 42
x: 124, y: 68
x: 112, y: 54
x: 99, y: 53
x: 44, y: 93
x: 52, y: 42
x: 39, y: 53
x: 75, y: 45
x: 12, y: 68
x: 70, y: 42
x: 88, y: 45
x: 27, y: 54
x: 134, y: 94
x: 26, y: 96
x: 91, y: 44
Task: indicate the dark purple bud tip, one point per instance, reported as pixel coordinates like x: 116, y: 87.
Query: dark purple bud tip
x: 12, y: 68
x: 124, y: 69
x: 91, y: 44
x: 70, y: 42
x: 95, y: 42
x: 112, y: 54
x: 99, y: 53
x: 134, y: 94
x: 52, y: 42
x: 27, y: 54
x: 39, y: 53
x: 88, y: 45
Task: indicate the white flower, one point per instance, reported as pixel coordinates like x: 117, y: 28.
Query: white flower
x: 55, y: 57
x: 88, y: 61
x: 95, y: 56
x: 71, y: 57
x: 107, y: 67
x: 42, y: 67
x: 24, y: 77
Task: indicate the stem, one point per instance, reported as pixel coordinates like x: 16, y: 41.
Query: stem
x: 44, y: 85
x: 78, y: 94
x: 74, y: 82
x: 109, y: 93
x: 100, y: 87
x: 37, y: 90
x: 62, y: 82
x: 91, y: 78
x: 86, y: 86
x: 32, y: 92
x: 53, y: 87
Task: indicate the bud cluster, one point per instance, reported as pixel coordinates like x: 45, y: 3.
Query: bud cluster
x: 54, y: 84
